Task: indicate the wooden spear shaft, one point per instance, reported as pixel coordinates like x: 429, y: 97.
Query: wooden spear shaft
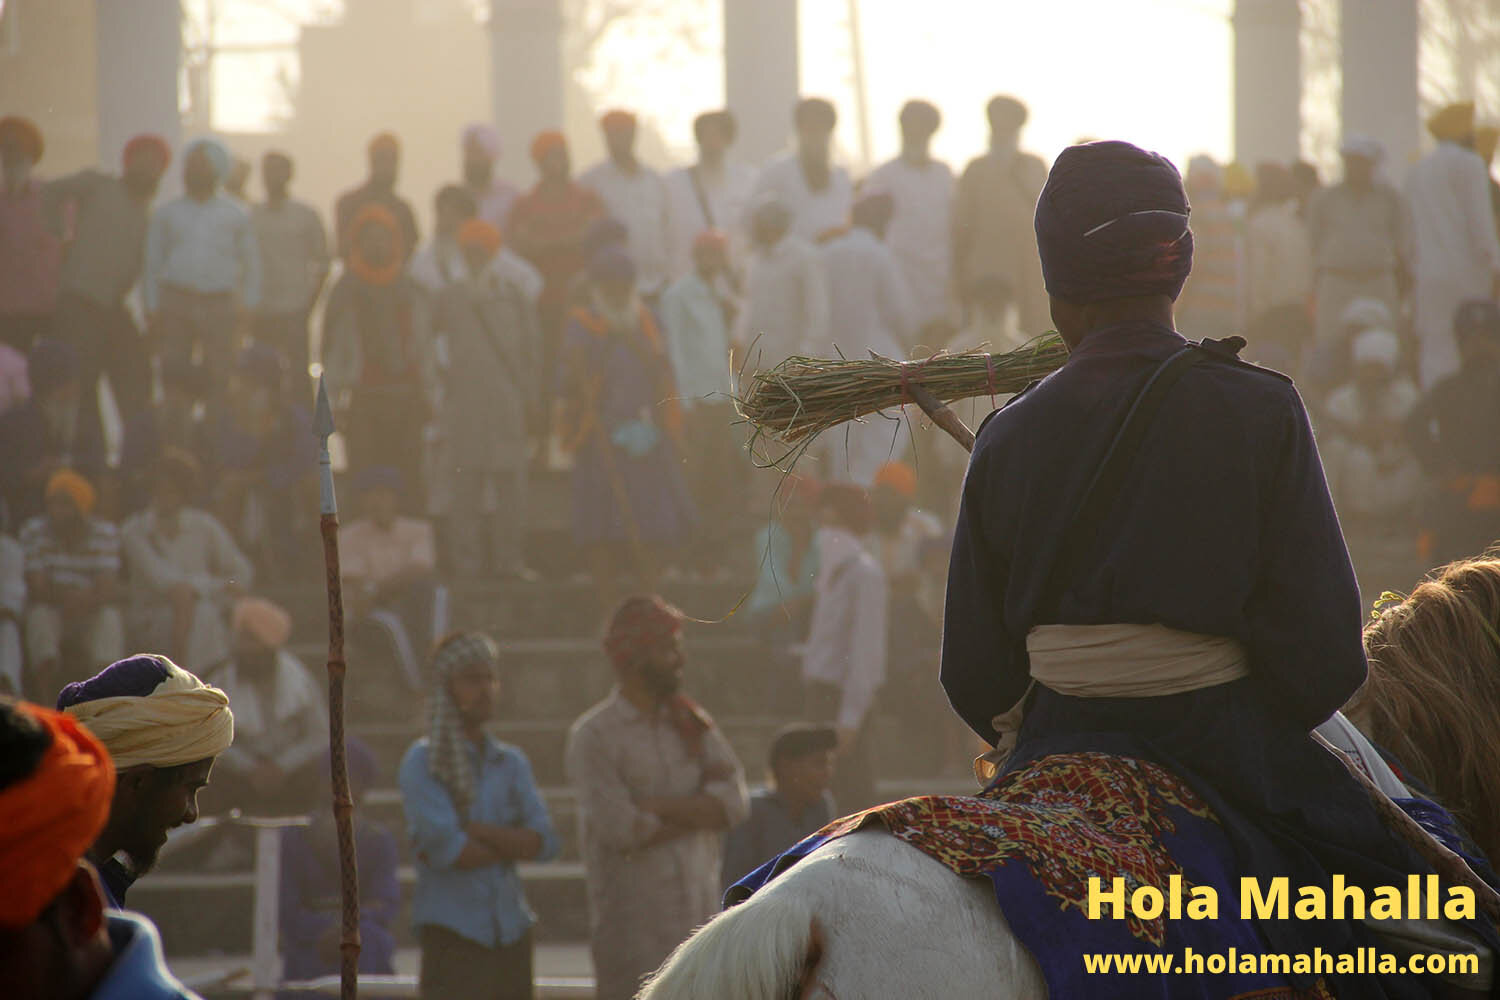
x: 343, y: 802
x: 941, y: 415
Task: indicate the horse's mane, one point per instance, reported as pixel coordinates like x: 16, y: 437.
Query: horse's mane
x: 1433, y: 693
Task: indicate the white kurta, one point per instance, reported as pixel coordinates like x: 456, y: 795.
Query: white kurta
x: 640, y: 201
x: 726, y: 196
x: 920, y: 228
x: 785, y: 309
x: 1458, y: 254
x: 813, y: 212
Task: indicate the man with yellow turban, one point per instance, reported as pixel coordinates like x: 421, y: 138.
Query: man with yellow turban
x: 57, y: 940
x: 163, y: 727
x: 72, y: 582
x: 1457, y: 252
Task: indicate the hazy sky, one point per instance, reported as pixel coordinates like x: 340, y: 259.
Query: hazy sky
x: 1157, y: 72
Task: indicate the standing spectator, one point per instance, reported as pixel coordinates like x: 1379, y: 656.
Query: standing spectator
x: 378, y: 189
x: 489, y: 410
x: 72, y: 582
x: 1453, y: 434
x: 921, y: 190
x: 1209, y: 306
x: 547, y: 227
x: 992, y: 210
x: 376, y: 348
x: 1458, y: 254
x: 174, y: 421
x: 472, y: 811
x: 795, y: 805
x: 785, y: 310
x: 294, y: 265
x: 101, y: 263
x: 311, y: 924
x: 1375, y: 480
x: 280, y: 720
x: 185, y: 570
x: 1279, y: 271
x: 815, y: 190
x: 844, y: 664
x: 12, y: 615
x: 1486, y: 138
x: 711, y: 194
x: 390, y: 565
x: 439, y: 263
x: 1360, y: 230
x: 237, y: 179
x: 265, y: 458
x: 48, y: 432
x: 479, y: 145
x: 29, y: 251
x: 202, y: 266
x: 869, y: 311
x: 786, y: 552
x: 636, y: 195
x: 1305, y: 185
x: 619, y: 417
x: 657, y: 784
x: 695, y: 317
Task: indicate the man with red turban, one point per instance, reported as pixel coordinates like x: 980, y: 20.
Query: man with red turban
x: 29, y: 250
x: 378, y: 189
x: 57, y: 939
x: 657, y: 786
x: 101, y: 263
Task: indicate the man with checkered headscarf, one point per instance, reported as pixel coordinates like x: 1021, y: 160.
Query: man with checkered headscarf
x: 657, y: 786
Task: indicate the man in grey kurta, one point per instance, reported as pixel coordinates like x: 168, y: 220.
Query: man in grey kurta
x: 487, y: 409
x: 657, y: 786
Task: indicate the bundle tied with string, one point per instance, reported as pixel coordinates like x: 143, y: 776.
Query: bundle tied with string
x: 803, y: 397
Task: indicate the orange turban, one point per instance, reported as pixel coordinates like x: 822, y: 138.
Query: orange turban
x: 617, y: 121
x: 711, y: 239
x: 50, y: 818
x: 385, y: 142
x: 147, y: 145
x: 68, y: 482
x: 267, y: 623
x: 480, y: 234
x: 22, y: 131
x: 546, y: 142
x: 1453, y: 123
x: 899, y: 477
x: 376, y: 215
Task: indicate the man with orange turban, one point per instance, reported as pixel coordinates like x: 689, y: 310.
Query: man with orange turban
x: 379, y: 188
x: 29, y: 250
x: 636, y: 195
x: 1457, y: 249
x: 57, y: 940
x: 72, y: 582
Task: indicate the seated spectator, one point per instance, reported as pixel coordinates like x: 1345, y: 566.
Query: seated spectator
x: 265, y: 462
x: 12, y: 610
x: 311, y: 924
x: 72, y: 583
x: 185, y: 570
x: 47, y: 432
x: 1453, y: 433
x: 175, y: 422
x: 1375, y: 479
x: 398, y: 607
x: 490, y: 410
x: 472, y: 811
x: 796, y: 804
x: 280, y: 718
x: 1328, y: 364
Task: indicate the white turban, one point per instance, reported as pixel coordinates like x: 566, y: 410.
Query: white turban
x: 1377, y: 346
x: 1363, y: 146
x: 1366, y: 313
x: 482, y: 136
x: 180, y: 721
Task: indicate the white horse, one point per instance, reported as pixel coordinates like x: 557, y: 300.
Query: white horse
x: 869, y: 915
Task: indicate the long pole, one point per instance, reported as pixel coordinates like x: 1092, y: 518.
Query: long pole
x: 343, y: 803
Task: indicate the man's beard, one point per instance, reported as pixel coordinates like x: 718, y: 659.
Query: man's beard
x: 661, y: 683
x: 621, y: 319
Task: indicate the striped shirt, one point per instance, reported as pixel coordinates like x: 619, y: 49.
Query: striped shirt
x: 77, y: 565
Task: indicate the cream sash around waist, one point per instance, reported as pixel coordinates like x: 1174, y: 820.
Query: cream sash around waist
x: 1116, y: 661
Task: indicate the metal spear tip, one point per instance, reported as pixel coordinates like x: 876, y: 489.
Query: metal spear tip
x: 323, y: 412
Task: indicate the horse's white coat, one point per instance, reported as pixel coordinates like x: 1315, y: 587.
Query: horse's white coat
x: 894, y: 923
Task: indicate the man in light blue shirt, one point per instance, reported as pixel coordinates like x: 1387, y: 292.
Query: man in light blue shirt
x: 472, y: 811
x: 697, y: 316
x: 202, y: 274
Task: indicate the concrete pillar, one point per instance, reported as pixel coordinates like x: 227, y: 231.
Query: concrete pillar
x: 1267, y: 80
x: 526, y: 76
x: 139, y: 52
x: 761, y: 81
x: 1379, y: 41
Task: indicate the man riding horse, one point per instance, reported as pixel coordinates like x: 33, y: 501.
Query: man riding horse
x: 1147, y: 565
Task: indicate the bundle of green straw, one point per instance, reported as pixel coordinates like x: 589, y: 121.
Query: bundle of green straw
x: 803, y: 397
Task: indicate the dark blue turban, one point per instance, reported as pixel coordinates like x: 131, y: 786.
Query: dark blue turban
x: 134, y: 677
x: 1112, y: 222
